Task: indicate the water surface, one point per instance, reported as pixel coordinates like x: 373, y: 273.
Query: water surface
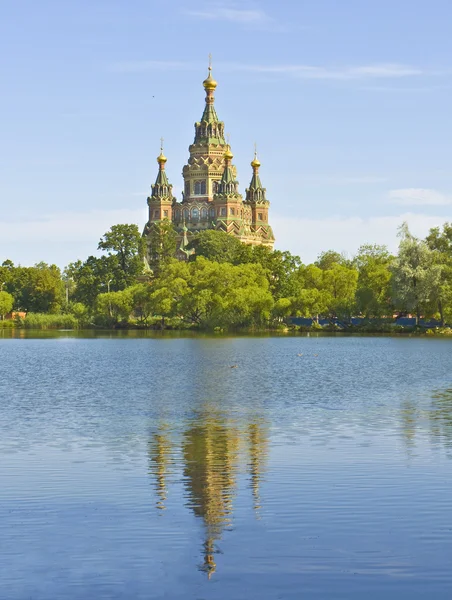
x: 219, y: 468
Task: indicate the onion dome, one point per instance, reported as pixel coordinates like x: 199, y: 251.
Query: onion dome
x: 209, y: 83
x: 161, y: 158
x: 228, y: 154
x: 255, y: 163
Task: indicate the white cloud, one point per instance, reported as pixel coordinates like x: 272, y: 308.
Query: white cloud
x: 67, y: 236
x: 307, y: 237
x: 136, y: 66
x: 378, y: 71
x: 219, y: 11
x: 419, y: 197
x: 338, y: 73
x: 60, y: 238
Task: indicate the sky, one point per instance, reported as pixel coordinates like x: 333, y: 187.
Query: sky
x: 349, y: 103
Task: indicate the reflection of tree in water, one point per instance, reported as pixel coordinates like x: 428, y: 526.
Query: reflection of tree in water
x: 257, y: 441
x: 213, y: 449
x: 440, y: 417
x: 436, y: 419
x: 160, y: 457
x: 409, y: 423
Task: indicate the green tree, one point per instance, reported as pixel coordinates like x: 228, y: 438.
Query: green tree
x: 125, y: 246
x: 220, y: 247
x: 441, y: 244
x: 116, y: 306
x: 373, y: 294
x: 38, y: 289
x: 161, y: 245
x: 6, y: 304
x: 92, y: 277
x: 416, y: 277
x: 340, y: 283
x: 328, y: 258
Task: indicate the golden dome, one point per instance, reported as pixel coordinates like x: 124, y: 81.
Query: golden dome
x: 228, y: 154
x: 161, y: 158
x: 255, y: 163
x: 209, y: 83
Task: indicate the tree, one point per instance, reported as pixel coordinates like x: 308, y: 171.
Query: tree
x: 416, y: 277
x: 6, y: 304
x: 328, y: 258
x: 441, y: 244
x: 220, y: 247
x: 93, y: 277
x: 373, y: 295
x: 115, y: 305
x: 161, y: 245
x: 36, y: 289
x: 340, y: 282
x: 124, y: 244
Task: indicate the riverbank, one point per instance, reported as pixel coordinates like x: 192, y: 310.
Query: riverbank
x: 68, y: 323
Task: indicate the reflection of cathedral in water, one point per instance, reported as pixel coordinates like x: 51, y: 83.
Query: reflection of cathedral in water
x: 214, y: 452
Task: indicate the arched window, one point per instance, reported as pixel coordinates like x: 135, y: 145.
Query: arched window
x: 200, y: 187
x: 215, y: 187
x: 204, y: 213
x: 195, y: 214
x: 186, y: 214
x: 187, y: 188
x: 212, y: 211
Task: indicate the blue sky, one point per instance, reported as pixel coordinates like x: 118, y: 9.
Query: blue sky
x: 349, y: 103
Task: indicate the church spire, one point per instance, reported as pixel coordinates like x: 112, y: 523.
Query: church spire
x: 161, y: 188
x: 256, y: 192
x: 210, y: 128
x: 228, y: 183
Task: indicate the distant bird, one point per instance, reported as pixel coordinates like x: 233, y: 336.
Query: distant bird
x: 315, y: 354
x: 299, y: 355
x: 234, y: 366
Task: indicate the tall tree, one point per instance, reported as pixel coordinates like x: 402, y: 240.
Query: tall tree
x: 416, y: 277
x: 440, y: 241
x: 373, y: 295
x: 125, y: 244
x: 6, y: 304
x: 161, y: 245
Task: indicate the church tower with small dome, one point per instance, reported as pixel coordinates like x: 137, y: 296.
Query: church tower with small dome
x: 211, y: 197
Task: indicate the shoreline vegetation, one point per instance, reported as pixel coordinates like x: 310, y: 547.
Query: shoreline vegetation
x: 229, y: 287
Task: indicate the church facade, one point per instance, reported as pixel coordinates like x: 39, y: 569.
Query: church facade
x: 211, y: 197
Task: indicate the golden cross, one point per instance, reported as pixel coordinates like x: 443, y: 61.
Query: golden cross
x: 255, y: 150
x: 228, y: 138
x: 210, y: 61
x: 161, y: 145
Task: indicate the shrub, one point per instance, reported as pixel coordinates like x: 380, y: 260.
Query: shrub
x: 46, y: 321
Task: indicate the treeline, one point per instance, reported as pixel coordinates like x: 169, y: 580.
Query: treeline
x: 227, y: 284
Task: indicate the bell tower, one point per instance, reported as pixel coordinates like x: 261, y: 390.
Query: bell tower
x: 161, y: 199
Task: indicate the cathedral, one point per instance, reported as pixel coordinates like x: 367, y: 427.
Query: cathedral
x: 211, y: 197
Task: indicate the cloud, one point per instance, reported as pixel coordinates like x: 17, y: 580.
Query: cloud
x: 219, y: 11
x: 338, y: 73
x: 137, y: 66
x: 64, y: 237
x: 377, y: 71
x: 307, y: 237
x: 419, y: 197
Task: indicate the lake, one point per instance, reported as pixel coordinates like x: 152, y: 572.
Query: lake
x: 225, y: 467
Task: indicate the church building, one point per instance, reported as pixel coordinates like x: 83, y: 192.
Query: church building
x: 211, y: 197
